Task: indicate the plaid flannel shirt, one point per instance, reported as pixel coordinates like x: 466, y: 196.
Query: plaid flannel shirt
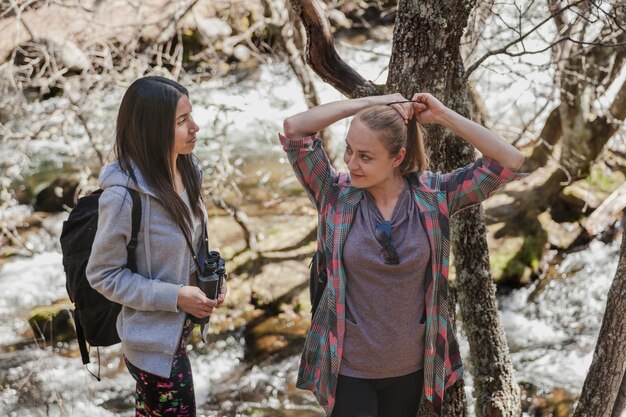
x: 438, y: 196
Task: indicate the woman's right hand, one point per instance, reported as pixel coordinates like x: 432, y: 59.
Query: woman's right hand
x: 192, y: 300
x: 402, y: 105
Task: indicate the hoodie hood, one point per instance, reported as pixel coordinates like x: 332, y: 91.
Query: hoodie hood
x: 111, y: 175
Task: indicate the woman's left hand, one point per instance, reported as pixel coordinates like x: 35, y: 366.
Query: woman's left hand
x: 402, y: 105
x: 428, y: 109
x: 222, y: 296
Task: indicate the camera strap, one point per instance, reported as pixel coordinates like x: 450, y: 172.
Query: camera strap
x: 190, y: 246
x: 204, y: 242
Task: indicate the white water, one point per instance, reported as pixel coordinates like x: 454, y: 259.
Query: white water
x: 552, y: 336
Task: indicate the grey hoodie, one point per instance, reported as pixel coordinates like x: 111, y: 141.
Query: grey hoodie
x: 150, y: 323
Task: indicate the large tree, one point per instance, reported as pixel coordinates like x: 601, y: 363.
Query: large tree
x: 426, y: 57
x: 605, y: 386
x: 587, y: 42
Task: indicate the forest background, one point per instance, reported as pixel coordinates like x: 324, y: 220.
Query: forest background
x: 547, y: 76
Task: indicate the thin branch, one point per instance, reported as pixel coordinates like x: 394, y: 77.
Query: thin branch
x: 90, y: 136
x: 503, y: 50
x: 242, y: 220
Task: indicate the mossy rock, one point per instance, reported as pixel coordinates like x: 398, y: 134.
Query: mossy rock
x: 604, y: 181
x: 57, y: 196
x: 54, y: 323
x: 515, y: 258
x: 547, y: 403
x: 276, y: 335
x: 560, y: 235
x: 584, y: 196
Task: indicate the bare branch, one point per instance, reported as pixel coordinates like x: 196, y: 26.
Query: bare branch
x: 604, y: 127
x: 504, y: 49
x: 242, y: 220
x: 90, y: 136
x: 321, y: 53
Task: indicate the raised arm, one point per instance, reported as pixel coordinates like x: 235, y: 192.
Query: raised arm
x: 317, y: 118
x: 430, y: 110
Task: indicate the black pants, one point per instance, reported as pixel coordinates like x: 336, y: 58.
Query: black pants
x: 387, y: 397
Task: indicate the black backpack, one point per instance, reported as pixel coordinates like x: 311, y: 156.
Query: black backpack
x: 95, y: 316
x: 317, y: 280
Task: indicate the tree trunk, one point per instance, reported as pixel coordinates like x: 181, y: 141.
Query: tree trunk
x: 495, y: 389
x: 434, y: 51
x: 620, y: 401
x: 606, y: 373
x: 548, y: 138
x: 583, y: 72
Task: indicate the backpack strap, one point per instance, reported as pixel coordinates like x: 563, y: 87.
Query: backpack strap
x: 131, y: 263
x: 317, y: 280
x: 135, y: 225
x: 80, y: 338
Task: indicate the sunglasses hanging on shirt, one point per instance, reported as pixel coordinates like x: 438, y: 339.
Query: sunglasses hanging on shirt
x: 383, y: 236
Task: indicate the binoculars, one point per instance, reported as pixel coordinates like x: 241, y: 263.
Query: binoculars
x: 210, y: 279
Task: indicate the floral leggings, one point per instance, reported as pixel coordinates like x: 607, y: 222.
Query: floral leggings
x: 156, y: 396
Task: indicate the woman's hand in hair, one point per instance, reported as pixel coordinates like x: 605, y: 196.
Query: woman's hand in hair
x: 401, y: 105
x: 428, y: 109
x: 192, y: 300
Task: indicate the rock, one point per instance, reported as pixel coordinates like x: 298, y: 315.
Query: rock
x: 23, y: 194
x: 71, y: 56
x: 584, y: 196
x: 338, y: 19
x: 516, y: 252
x: 54, y: 323
x: 57, y: 196
x: 242, y: 53
x: 270, y: 336
x: 560, y: 235
x: 543, y: 403
x: 502, y: 253
x: 581, y: 197
x: 213, y: 29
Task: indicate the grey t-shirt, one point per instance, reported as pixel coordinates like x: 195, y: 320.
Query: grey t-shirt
x: 385, y: 303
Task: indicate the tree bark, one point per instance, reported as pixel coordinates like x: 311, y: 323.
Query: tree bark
x: 550, y: 134
x: 495, y: 389
x: 620, y: 401
x: 434, y: 51
x: 606, y: 373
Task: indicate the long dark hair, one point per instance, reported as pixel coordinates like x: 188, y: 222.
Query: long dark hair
x: 396, y: 135
x: 145, y: 136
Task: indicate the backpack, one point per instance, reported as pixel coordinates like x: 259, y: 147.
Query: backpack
x: 317, y: 280
x: 95, y: 316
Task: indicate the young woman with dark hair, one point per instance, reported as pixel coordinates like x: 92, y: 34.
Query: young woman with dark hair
x: 155, y: 138
x: 380, y: 339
